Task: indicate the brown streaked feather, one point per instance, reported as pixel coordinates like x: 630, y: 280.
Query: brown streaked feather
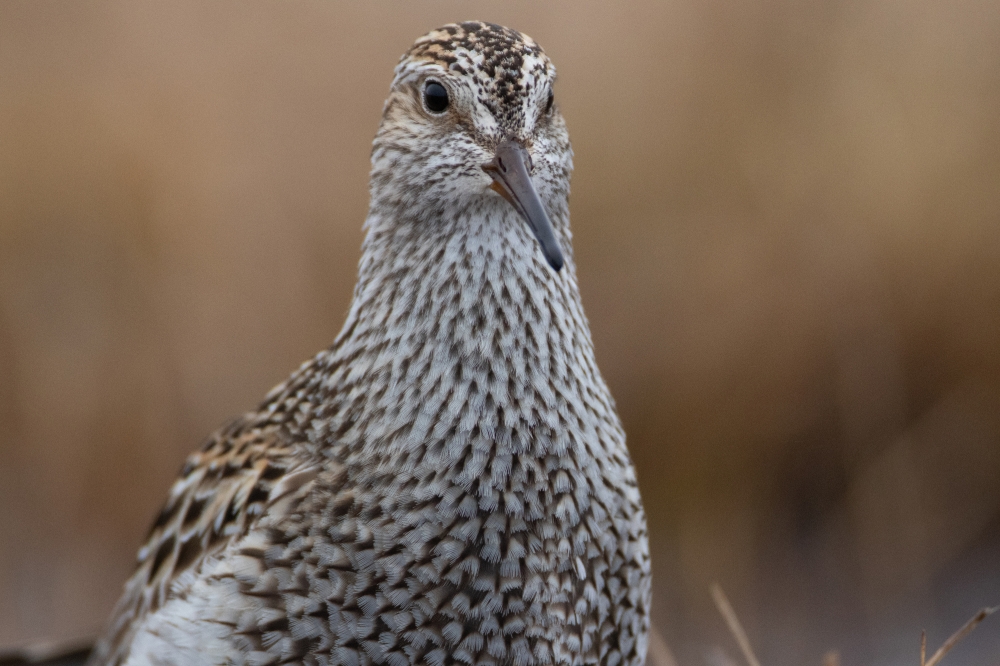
x: 241, y: 472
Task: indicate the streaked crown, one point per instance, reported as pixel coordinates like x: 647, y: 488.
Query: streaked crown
x: 507, y: 71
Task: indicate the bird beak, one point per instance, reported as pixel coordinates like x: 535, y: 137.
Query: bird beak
x: 509, y: 170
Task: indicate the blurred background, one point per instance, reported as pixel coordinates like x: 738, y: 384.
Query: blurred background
x: 787, y: 226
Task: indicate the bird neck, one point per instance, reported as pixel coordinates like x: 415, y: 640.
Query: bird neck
x: 460, y: 336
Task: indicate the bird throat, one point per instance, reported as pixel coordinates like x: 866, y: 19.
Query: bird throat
x: 465, y: 361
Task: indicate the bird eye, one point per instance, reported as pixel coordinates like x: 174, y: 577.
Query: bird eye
x: 435, y: 97
x: 548, y: 103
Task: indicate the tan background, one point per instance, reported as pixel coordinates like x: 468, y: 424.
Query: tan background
x: 787, y: 222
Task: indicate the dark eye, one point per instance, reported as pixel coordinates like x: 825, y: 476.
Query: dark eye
x: 548, y: 103
x: 435, y: 97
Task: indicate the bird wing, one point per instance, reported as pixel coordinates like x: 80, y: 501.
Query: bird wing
x: 242, y: 471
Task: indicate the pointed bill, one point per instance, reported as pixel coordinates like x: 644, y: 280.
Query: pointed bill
x: 510, y: 178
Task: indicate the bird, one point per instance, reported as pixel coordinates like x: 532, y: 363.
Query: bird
x: 449, y: 481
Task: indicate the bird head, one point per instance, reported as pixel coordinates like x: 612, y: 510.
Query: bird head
x: 471, y: 123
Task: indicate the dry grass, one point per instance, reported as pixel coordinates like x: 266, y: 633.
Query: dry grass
x: 733, y: 622
x: 659, y: 652
x: 833, y: 658
x: 954, y: 639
